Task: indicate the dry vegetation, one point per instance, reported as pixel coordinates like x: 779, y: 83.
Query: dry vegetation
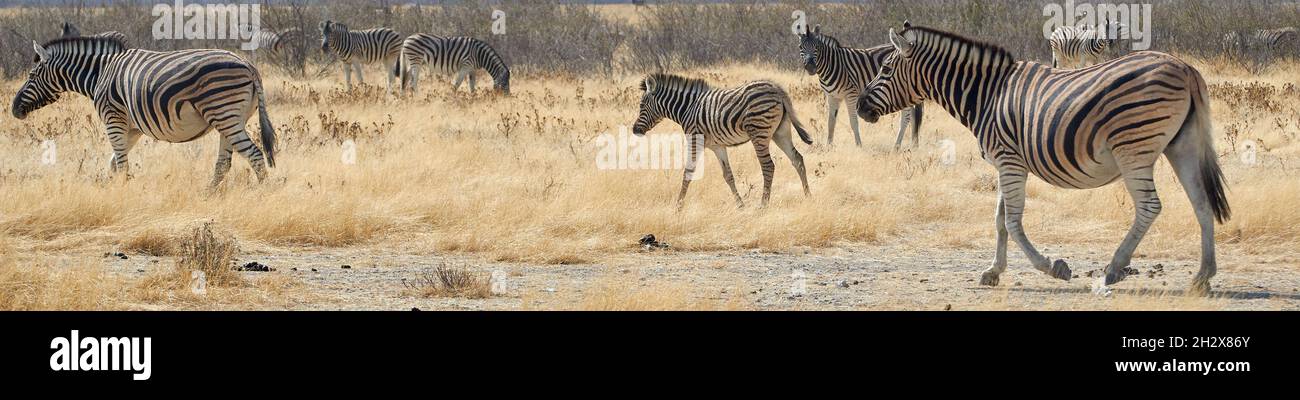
x: 514, y: 179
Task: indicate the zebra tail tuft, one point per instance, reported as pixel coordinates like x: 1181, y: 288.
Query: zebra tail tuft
x: 268, y: 130
x: 1211, y: 175
x: 794, y: 120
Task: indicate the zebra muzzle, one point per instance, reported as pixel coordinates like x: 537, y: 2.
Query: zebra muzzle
x: 870, y: 116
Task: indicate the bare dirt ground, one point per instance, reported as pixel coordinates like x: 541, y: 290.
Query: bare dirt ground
x: 891, y: 276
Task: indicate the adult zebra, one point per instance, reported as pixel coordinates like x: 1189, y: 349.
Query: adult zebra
x: 174, y: 96
x: 70, y: 30
x: 843, y: 72
x: 1073, y: 128
x: 758, y: 112
x: 1081, y: 46
x: 462, y: 56
x: 357, y: 48
x: 1268, y: 39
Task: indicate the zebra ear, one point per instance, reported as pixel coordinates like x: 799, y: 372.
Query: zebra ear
x: 907, y: 24
x: 817, y: 30
x: 41, y: 54
x: 901, y: 44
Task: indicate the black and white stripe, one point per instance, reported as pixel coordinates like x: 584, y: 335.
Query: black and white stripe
x: 174, y: 96
x: 842, y: 72
x: 1263, y: 39
x: 357, y: 48
x: 1081, y: 46
x: 70, y: 30
x: 462, y: 56
x: 758, y: 112
x: 1082, y: 128
x: 275, y: 44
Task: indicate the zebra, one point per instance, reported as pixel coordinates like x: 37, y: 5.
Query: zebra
x: 357, y: 48
x: 173, y: 96
x: 842, y: 71
x: 1078, y: 129
x: 70, y: 30
x: 1270, y: 39
x: 758, y: 112
x: 1081, y: 46
x: 462, y: 56
x: 276, y: 44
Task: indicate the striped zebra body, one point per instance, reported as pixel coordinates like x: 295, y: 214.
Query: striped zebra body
x: 461, y: 56
x: 1268, y: 39
x: 842, y: 72
x: 1079, y: 128
x: 70, y: 30
x: 758, y: 112
x: 175, y: 96
x: 357, y: 48
x: 274, y: 44
x: 1078, y: 47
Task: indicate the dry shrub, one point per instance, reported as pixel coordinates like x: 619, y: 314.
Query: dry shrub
x: 444, y: 281
x: 212, y: 253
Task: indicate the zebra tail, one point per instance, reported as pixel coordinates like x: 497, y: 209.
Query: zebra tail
x: 268, y: 131
x: 1211, y: 175
x: 794, y: 120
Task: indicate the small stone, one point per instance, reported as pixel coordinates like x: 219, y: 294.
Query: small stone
x: 415, y: 309
x: 925, y: 280
x: 139, y: 270
x: 843, y: 284
x: 293, y: 269
x: 947, y: 307
x: 314, y: 270
x: 347, y: 267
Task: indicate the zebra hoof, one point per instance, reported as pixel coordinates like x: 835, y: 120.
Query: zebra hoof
x: 1200, y: 287
x: 1061, y: 270
x: 1115, y: 276
x: 989, y: 278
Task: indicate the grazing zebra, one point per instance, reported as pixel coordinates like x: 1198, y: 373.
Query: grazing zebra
x: 173, y: 96
x: 1078, y: 129
x: 70, y: 30
x: 275, y: 44
x: 842, y: 72
x: 462, y: 56
x: 757, y: 112
x: 1081, y: 46
x: 357, y: 48
x: 1269, y: 39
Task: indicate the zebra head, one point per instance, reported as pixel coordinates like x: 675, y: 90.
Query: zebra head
x: 502, y: 83
x: 330, y: 31
x: 652, y: 109
x: 43, y: 85
x: 811, y: 49
x: 895, y: 85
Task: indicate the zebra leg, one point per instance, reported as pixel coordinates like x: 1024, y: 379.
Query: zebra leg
x: 388, y: 73
x: 224, y: 152
x: 833, y: 109
x: 361, y: 78
x: 786, y: 144
x: 765, y: 161
x: 460, y: 77
x: 472, y: 76
x: 347, y: 74
x: 694, y: 146
x: 122, y: 139
x: 903, y: 118
x: 233, y: 132
x: 721, y: 152
x: 1146, y: 206
x: 1011, y: 182
x: 916, y: 124
x: 990, y: 276
x: 851, y: 104
x: 1185, y: 157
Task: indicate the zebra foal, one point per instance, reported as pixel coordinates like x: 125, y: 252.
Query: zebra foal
x: 358, y: 48
x: 758, y: 112
x: 842, y: 73
x: 173, y: 96
x: 1078, y: 129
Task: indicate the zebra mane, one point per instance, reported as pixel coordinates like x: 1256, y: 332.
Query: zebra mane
x: 827, y: 40
x: 995, y: 49
x: 328, y: 26
x: 658, y: 81
x: 79, y: 44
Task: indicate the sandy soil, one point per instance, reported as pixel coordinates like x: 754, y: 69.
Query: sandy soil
x: 882, y: 277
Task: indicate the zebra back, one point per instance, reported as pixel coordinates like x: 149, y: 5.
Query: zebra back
x: 365, y: 46
x: 453, y: 54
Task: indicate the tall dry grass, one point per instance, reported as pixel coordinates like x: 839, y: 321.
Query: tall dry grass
x: 515, y: 178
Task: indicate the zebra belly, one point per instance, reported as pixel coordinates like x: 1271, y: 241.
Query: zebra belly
x: 1089, y: 175
x: 186, y: 126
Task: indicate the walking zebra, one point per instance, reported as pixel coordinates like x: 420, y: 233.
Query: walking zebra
x: 1081, y: 46
x: 1269, y: 39
x: 462, y: 56
x: 715, y: 119
x: 842, y: 72
x: 1072, y: 128
x: 357, y: 48
x: 70, y: 30
x: 275, y: 44
x: 174, y: 96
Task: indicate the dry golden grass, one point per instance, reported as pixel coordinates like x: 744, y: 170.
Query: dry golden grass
x: 515, y: 179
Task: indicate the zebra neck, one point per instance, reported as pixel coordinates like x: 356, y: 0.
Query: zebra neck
x: 972, y: 91
x: 680, y: 104
x: 83, y: 76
